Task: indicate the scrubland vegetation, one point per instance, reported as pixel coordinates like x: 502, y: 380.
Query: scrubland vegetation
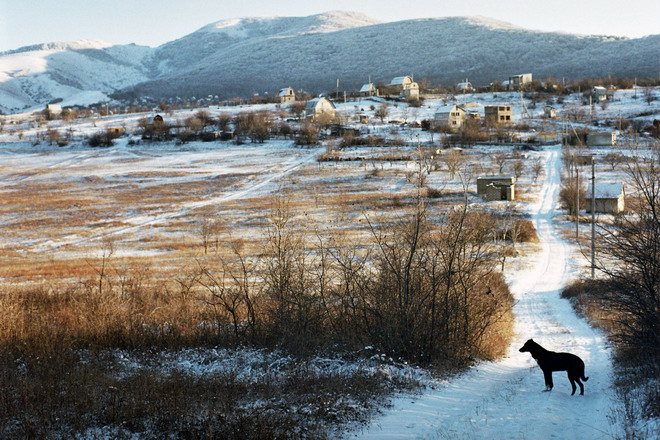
x: 373, y: 261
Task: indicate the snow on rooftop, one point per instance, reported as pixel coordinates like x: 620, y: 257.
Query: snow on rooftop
x: 367, y: 88
x: 399, y: 80
x: 607, y: 190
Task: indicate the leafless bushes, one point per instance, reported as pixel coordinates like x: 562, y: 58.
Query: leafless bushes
x: 572, y: 195
x: 627, y: 301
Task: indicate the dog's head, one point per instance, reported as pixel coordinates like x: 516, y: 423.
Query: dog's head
x: 529, y: 346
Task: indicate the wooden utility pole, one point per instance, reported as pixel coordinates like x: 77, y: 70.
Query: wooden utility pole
x: 577, y: 199
x: 593, y: 217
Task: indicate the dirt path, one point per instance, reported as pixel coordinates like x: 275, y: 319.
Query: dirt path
x: 503, y: 400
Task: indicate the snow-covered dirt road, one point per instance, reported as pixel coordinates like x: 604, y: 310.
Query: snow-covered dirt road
x: 504, y: 400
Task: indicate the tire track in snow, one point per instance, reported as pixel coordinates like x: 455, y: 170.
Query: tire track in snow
x: 503, y: 400
x: 255, y: 183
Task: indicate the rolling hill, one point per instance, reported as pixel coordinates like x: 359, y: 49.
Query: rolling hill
x: 240, y: 57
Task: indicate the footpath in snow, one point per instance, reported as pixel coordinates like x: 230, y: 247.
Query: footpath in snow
x: 504, y: 399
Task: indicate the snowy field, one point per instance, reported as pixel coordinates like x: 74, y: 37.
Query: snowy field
x: 62, y: 204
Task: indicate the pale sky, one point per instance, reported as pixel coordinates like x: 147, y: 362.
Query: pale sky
x: 154, y: 22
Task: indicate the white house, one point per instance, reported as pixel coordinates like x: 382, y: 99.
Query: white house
x: 516, y: 82
x: 409, y: 88
x: 465, y: 86
x: 599, y: 93
x: 450, y: 117
x: 287, y: 95
x: 610, y: 197
x: 320, y: 107
x: 550, y: 112
x: 369, y: 89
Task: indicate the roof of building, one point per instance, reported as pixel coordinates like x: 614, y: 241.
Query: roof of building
x: 607, y: 190
x: 399, y: 80
x: 497, y: 176
x: 445, y: 109
x: 285, y: 91
x: 312, y: 103
x: 367, y: 87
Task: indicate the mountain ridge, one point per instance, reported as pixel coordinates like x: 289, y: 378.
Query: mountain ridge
x: 242, y: 56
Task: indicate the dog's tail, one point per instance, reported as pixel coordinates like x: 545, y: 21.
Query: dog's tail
x: 585, y: 378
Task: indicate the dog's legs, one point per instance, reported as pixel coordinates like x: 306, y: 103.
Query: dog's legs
x: 581, y: 386
x: 547, y: 374
x: 570, y: 378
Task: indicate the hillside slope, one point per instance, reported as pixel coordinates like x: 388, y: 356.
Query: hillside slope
x: 443, y: 50
x: 243, y: 56
x: 73, y: 71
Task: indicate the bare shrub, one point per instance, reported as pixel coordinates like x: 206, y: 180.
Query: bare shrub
x: 572, y: 195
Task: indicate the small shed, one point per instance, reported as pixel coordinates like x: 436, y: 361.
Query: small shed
x: 287, y: 95
x: 54, y: 109
x: 500, y: 191
x: 601, y: 138
x: 114, y: 131
x: 610, y: 198
x: 497, y: 187
x: 550, y: 112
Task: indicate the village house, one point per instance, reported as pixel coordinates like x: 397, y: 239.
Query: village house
x: 450, y: 117
x: 465, y: 86
x: 320, y: 107
x: 549, y: 112
x: 409, y: 88
x: 54, y: 109
x: 610, y: 198
x: 287, y: 95
x: 369, y: 89
x: 598, y: 93
x: 498, y: 114
x: 517, y: 82
x: 609, y: 94
x: 601, y: 138
x: 493, y: 188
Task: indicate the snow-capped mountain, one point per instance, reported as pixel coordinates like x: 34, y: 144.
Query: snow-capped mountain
x: 81, y: 72
x: 256, y: 55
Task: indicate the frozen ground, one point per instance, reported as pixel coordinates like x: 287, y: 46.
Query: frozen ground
x: 503, y: 400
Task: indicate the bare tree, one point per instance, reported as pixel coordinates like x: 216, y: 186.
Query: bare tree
x: 501, y: 160
x: 453, y: 159
x: 537, y: 169
x: 518, y: 168
x: 381, y: 112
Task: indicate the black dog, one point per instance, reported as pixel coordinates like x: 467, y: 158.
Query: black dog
x: 550, y: 361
